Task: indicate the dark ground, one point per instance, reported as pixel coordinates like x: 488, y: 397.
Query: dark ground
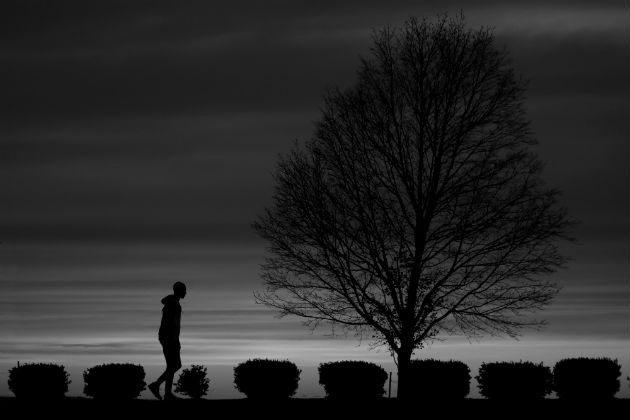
x: 84, y: 409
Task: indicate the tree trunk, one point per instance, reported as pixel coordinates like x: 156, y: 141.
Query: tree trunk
x: 404, y: 373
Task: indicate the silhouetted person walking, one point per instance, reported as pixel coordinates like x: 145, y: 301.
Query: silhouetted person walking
x: 169, y: 339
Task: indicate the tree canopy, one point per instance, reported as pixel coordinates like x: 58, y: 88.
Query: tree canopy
x: 418, y: 207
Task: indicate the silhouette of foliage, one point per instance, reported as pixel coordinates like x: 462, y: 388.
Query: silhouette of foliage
x: 418, y: 207
x: 120, y: 381
x: 437, y: 379
x: 267, y: 378
x: 514, y: 380
x: 193, y: 382
x: 586, y: 378
x: 350, y: 379
x: 39, y: 380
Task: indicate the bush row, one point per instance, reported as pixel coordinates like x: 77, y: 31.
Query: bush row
x: 43, y: 380
x: 591, y: 378
x: 352, y: 379
x: 107, y: 381
x: 440, y: 379
x: 264, y: 378
x: 122, y: 381
x: 514, y: 380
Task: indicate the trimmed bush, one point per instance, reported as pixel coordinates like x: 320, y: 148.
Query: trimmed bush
x: 514, y: 380
x: 588, y: 378
x: 120, y: 381
x: 267, y: 378
x: 193, y: 382
x: 352, y: 379
x: 39, y: 380
x: 440, y: 379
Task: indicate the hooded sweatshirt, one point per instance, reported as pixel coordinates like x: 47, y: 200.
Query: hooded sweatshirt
x: 171, y: 316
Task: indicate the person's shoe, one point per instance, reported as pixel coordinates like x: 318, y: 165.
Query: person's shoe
x: 155, y: 390
x: 171, y: 397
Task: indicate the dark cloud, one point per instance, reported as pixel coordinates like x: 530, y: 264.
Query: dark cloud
x: 179, y: 137
x: 109, y: 59
x: 570, y: 64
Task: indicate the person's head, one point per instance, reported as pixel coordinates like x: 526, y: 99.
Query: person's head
x: 179, y: 289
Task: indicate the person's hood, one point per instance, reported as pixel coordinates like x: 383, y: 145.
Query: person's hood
x: 169, y: 300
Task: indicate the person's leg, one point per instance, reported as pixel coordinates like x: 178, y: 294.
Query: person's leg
x: 169, y: 384
x: 173, y: 363
x: 163, y: 377
x: 155, y: 386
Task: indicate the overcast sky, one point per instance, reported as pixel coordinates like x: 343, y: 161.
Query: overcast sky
x: 138, y: 139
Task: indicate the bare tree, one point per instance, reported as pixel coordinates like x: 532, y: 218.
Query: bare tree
x: 418, y: 207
